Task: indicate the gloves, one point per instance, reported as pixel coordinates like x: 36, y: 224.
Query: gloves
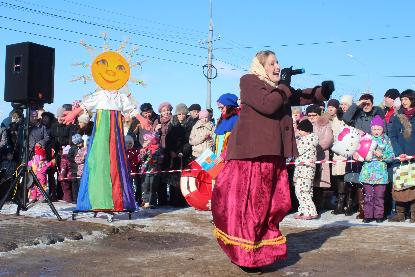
x: 286, y: 76
x: 327, y: 88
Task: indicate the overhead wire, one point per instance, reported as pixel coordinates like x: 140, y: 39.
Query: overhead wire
x: 132, y: 17
x: 97, y: 36
x: 170, y: 33
x: 18, y: 7
x: 96, y: 46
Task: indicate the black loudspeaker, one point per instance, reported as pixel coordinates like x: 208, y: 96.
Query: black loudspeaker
x: 29, y: 73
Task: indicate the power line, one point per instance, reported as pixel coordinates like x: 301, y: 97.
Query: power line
x: 15, y: 7
x: 76, y: 42
x: 171, y: 33
x: 96, y: 36
x: 318, y: 43
x: 133, y: 17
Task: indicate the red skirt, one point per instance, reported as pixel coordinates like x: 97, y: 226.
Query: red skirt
x: 249, y: 200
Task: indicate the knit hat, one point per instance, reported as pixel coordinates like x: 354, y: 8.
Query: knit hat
x: 392, y: 93
x: 347, y: 99
x: 305, y: 125
x: 181, y: 108
x: 165, y: 104
x: 59, y: 112
x: 146, y: 107
x: 77, y: 139
x: 377, y: 121
x: 203, y: 114
x: 228, y: 99
x: 128, y: 138
x: 195, y: 107
x: 314, y: 108
x: 40, y: 151
x: 333, y: 103
x: 84, y: 118
x: 65, y: 150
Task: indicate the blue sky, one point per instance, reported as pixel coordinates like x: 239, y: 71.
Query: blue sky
x: 306, y: 34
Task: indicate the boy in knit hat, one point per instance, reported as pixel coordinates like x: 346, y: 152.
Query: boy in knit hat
x: 304, y: 173
x: 374, y: 174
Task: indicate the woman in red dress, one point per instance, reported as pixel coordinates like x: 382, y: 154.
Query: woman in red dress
x: 251, y: 194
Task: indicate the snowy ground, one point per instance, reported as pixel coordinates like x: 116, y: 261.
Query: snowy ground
x: 179, y: 242
x: 144, y: 216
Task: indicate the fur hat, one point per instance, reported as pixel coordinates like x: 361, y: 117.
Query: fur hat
x: 392, y: 93
x: 203, y: 114
x: 77, y: 139
x: 333, y: 103
x: 228, y: 99
x: 59, y: 112
x: 377, y: 121
x: 146, y: 107
x: 195, y: 107
x: 314, y: 108
x: 347, y: 99
x: 165, y: 104
x: 305, y: 125
x: 181, y: 108
x: 84, y: 118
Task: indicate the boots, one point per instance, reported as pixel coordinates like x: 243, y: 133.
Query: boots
x: 360, y: 201
x: 340, y: 204
x: 349, y: 201
x: 341, y: 197
x: 400, y: 213
x: 413, y: 212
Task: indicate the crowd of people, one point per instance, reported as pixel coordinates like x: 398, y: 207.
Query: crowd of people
x: 57, y: 153
x: 365, y: 186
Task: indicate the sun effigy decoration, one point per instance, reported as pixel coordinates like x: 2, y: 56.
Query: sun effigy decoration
x: 110, y: 69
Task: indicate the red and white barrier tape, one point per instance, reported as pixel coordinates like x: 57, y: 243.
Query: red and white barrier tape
x: 288, y: 163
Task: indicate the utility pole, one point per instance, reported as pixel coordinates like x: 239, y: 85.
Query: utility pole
x: 209, y: 61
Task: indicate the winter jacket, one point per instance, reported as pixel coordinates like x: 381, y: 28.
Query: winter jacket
x: 133, y: 159
x: 307, y: 152
x: 265, y: 125
x: 403, y: 145
x: 322, y: 128
x: 38, y: 133
x: 64, y: 170
x: 337, y: 169
x: 201, y: 137
x: 151, y: 158
x: 80, y: 160
x: 357, y: 118
x: 376, y: 172
x: 3, y: 138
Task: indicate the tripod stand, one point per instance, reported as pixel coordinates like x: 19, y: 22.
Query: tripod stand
x: 19, y: 186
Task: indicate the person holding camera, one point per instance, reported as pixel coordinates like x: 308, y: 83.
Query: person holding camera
x: 251, y: 195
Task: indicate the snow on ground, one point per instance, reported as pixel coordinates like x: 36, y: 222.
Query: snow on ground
x: 149, y: 216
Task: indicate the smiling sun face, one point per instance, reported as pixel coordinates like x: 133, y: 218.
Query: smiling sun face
x: 110, y: 70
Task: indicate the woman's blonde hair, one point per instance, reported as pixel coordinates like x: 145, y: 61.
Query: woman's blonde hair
x: 263, y: 55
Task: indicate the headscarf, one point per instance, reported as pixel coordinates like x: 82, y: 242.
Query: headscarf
x: 259, y: 70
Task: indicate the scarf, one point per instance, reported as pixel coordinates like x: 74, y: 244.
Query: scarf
x: 258, y: 70
x: 409, y: 113
x: 226, y: 125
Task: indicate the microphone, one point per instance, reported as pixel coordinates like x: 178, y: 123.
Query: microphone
x: 297, y: 71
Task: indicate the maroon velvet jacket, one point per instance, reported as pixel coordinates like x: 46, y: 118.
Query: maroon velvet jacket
x: 265, y: 126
